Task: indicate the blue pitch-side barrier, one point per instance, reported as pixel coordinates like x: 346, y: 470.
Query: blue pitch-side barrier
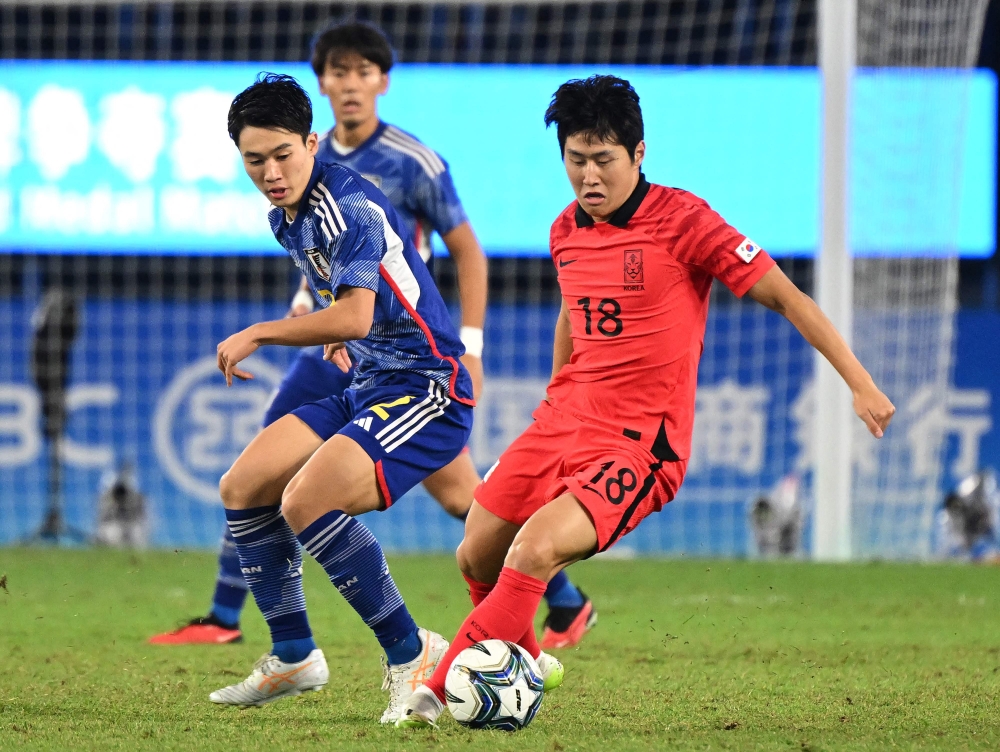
x: 134, y: 157
x: 145, y: 391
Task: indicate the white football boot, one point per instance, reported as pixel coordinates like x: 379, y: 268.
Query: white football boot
x: 403, y: 680
x: 421, y: 710
x: 551, y: 669
x: 272, y: 679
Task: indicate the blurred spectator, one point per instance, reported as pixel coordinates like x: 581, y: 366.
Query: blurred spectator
x: 121, y: 514
x: 967, y: 520
x: 776, y: 519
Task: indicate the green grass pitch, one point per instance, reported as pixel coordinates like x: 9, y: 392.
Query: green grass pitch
x: 688, y: 654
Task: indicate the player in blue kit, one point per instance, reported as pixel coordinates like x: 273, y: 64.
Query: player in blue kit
x: 408, y: 411
x: 352, y: 63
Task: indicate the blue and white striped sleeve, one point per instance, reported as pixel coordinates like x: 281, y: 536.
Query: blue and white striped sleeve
x: 438, y: 200
x: 353, y: 232
x: 362, y: 245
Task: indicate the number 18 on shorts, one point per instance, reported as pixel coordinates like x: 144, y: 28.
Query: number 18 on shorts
x: 616, y: 479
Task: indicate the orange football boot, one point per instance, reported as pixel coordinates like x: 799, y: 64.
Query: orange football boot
x: 565, y: 627
x: 205, y: 630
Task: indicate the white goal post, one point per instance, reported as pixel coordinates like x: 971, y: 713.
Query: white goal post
x: 893, y: 300
x: 834, y: 285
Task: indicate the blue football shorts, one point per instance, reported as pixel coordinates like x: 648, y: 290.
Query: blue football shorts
x: 408, y: 425
x: 309, y: 379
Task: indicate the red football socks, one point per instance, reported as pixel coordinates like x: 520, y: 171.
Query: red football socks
x: 506, y: 613
x: 478, y: 592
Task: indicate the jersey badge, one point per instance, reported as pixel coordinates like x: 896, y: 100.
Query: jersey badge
x: 747, y: 250
x: 375, y: 180
x: 633, y: 267
x: 320, y: 264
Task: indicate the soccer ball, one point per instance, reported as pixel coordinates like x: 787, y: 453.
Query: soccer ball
x: 494, y: 685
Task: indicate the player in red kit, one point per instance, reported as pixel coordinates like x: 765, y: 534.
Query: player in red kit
x: 611, y: 441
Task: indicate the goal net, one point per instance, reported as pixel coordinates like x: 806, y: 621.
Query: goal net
x: 149, y: 309
x: 912, y: 106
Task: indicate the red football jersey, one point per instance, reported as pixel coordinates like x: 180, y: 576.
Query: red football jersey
x: 637, y: 290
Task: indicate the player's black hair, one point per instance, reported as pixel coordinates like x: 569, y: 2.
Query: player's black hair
x: 273, y: 101
x: 600, y: 107
x: 337, y: 41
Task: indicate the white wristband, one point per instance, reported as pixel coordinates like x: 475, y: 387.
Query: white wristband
x: 472, y: 338
x: 303, y: 298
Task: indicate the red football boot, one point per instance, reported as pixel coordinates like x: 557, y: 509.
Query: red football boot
x: 205, y: 630
x: 565, y: 627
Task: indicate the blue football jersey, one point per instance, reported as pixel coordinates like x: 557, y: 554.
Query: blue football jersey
x: 413, y: 176
x: 346, y: 234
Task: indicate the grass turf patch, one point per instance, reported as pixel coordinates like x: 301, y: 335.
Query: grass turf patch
x: 687, y: 654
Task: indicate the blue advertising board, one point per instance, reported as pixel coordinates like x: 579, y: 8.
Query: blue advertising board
x: 145, y: 391
x: 134, y: 157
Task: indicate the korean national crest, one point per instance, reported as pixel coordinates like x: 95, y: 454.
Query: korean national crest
x: 319, y: 263
x: 633, y: 267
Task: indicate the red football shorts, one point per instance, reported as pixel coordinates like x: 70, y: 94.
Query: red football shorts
x: 615, y: 478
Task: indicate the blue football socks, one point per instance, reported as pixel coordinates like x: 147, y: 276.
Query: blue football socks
x: 271, y: 562
x: 353, y: 559
x: 230, y: 587
x: 561, y: 593
x: 293, y: 651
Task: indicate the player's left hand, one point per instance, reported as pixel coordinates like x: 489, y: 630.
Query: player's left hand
x: 874, y: 408
x: 337, y: 354
x: 474, y: 366
x: 231, y: 351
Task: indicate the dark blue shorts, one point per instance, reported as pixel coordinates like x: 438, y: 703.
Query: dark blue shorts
x: 409, y: 426
x: 309, y: 379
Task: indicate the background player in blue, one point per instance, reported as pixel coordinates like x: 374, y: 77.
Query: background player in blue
x: 352, y: 64
x: 408, y: 412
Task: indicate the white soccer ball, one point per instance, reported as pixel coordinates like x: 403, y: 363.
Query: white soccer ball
x: 494, y: 685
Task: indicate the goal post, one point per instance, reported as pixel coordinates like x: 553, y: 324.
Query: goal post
x: 890, y: 285
x: 834, y: 284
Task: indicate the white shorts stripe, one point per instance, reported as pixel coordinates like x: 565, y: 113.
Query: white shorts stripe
x: 405, y: 431
x: 406, y: 437
x: 404, y: 416
x: 406, y: 425
x: 434, y: 407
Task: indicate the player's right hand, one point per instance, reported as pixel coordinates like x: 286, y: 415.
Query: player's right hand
x: 875, y: 409
x: 234, y: 349
x: 338, y: 355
